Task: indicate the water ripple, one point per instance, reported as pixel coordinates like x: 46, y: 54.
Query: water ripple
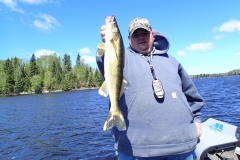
x: 68, y: 125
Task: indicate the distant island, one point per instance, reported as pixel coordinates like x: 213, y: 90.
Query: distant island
x: 234, y: 72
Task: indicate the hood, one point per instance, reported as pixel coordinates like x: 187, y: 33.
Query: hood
x: 161, y: 42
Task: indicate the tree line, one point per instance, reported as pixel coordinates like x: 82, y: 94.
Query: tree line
x: 46, y: 73
x: 234, y: 72
x: 51, y: 73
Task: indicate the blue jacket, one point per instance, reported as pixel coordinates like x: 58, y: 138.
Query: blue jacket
x: 157, y: 127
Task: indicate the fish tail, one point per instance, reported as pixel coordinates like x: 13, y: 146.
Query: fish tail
x: 115, y: 119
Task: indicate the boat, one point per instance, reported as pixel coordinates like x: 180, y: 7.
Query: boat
x: 219, y: 140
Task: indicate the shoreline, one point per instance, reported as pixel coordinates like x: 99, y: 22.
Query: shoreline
x: 80, y: 89
x: 46, y: 91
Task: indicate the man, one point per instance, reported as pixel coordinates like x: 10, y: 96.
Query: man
x: 162, y: 106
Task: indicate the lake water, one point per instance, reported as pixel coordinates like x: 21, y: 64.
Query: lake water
x: 68, y: 125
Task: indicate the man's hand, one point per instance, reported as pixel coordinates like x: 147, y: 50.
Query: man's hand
x: 103, y: 28
x: 199, y: 129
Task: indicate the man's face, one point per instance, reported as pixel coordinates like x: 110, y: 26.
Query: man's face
x: 141, y: 41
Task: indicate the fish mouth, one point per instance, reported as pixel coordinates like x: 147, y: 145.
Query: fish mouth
x: 110, y: 19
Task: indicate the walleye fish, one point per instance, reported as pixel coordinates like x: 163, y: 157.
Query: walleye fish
x: 114, y: 84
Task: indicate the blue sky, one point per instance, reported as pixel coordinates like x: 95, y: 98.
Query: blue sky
x: 204, y: 35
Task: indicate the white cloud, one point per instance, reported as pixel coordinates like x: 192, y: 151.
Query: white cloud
x: 89, y: 59
x: 230, y: 26
x: 34, y: 1
x: 196, y: 47
x: 9, y: 3
x: 200, y: 47
x: 12, y: 5
x: 181, y: 53
x: 44, y: 52
x: 46, y: 23
x: 219, y: 36
x: 85, y: 50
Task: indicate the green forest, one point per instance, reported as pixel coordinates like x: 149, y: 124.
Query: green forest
x: 51, y: 73
x: 47, y: 73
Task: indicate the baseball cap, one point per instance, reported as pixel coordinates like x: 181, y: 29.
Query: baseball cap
x: 139, y: 23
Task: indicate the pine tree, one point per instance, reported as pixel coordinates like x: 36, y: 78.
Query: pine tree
x: 33, y: 66
x: 6, y: 65
x: 15, y: 62
x: 54, y: 70
x: 78, y: 61
x: 67, y: 63
x: 10, y: 76
x: 19, y: 86
x: 90, y: 78
x: 98, y: 77
x: 86, y: 77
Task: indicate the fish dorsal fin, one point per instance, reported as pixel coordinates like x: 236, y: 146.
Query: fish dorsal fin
x: 103, y: 89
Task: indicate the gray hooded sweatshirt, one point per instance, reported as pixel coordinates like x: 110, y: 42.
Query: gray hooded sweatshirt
x: 157, y: 127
